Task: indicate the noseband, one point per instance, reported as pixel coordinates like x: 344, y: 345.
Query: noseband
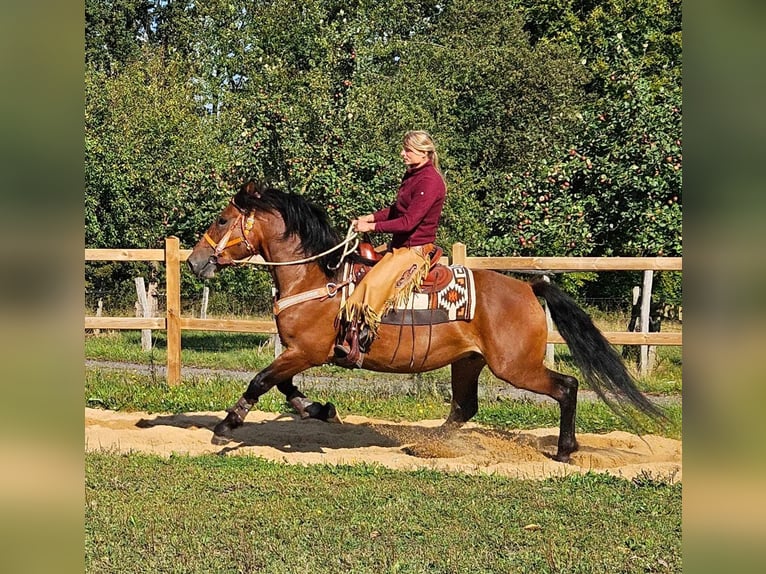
x: 246, y: 220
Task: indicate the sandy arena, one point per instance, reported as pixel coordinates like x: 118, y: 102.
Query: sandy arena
x: 405, y: 446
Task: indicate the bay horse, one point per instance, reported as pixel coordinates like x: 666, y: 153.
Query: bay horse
x: 508, y: 332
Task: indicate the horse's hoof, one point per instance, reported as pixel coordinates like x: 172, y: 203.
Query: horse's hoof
x: 329, y: 414
x: 560, y: 457
x: 324, y: 412
x: 452, y: 424
x: 220, y: 440
x: 222, y: 433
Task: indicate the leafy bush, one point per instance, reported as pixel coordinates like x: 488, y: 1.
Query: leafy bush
x: 558, y: 123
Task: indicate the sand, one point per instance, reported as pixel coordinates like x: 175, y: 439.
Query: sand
x: 523, y: 454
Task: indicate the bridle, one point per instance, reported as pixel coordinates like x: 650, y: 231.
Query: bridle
x: 245, y: 220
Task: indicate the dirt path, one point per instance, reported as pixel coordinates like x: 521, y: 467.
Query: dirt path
x: 422, y: 444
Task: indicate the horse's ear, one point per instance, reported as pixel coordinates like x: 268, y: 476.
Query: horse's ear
x: 251, y: 188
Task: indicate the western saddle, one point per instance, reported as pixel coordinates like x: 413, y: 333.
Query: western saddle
x: 356, y: 339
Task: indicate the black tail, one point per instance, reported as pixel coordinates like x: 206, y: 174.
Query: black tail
x: 600, y: 364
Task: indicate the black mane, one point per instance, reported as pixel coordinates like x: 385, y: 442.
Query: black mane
x: 301, y: 218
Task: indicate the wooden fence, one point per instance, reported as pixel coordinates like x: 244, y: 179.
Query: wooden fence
x: 173, y: 323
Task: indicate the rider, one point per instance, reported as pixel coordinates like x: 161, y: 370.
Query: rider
x: 413, y: 220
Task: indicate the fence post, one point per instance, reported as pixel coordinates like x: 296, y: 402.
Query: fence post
x: 99, y: 313
x: 458, y: 254
x: 550, y: 351
x: 173, y: 312
x: 205, y: 299
x: 145, y: 311
x: 646, y: 304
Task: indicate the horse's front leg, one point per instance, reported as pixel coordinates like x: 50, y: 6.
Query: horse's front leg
x: 280, y: 372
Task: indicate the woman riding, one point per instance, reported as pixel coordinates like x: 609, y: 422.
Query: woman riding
x: 413, y: 219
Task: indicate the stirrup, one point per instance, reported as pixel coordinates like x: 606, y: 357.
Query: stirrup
x: 341, y: 351
x: 347, y: 352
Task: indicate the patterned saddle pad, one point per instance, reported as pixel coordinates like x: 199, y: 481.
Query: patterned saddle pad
x: 454, y: 300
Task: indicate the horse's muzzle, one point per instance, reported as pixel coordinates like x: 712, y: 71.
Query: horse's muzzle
x: 203, y: 267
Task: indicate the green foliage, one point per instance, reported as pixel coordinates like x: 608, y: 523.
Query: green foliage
x: 242, y: 291
x: 150, y: 159
x: 669, y: 289
x: 640, y: 126
x: 623, y: 167
x: 112, y: 29
x: 114, y: 284
x: 558, y: 122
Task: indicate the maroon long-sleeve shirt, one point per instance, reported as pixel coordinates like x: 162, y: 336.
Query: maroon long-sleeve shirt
x: 414, y: 217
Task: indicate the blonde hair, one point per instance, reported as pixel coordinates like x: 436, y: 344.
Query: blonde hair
x: 421, y: 141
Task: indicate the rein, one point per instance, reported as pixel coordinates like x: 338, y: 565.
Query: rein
x: 352, y: 239
x: 246, y: 220
x: 326, y: 292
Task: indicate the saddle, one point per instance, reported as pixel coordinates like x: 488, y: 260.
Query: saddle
x: 446, y: 294
x: 437, y: 279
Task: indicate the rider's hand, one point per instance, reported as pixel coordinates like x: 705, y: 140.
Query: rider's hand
x: 361, y: 225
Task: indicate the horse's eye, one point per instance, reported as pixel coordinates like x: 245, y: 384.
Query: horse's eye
x: 221, y: 221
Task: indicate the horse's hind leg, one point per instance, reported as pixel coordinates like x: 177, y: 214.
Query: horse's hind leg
x: 561, y: 387
x: 465, y: 389
x: 566, y: 396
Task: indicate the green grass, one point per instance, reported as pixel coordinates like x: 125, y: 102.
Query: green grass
x: 237, y: 351
x: 214, y: 514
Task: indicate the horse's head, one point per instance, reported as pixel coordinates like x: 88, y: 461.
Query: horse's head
x: 284, y: 228
x: 232, y: 236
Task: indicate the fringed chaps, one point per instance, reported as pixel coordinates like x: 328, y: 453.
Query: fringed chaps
x: 388, y: 284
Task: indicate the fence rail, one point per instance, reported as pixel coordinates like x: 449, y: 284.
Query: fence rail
x: 560, y: 264
x: 173, y: 323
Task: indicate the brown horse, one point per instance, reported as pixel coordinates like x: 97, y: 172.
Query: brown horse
x: 507, y: 334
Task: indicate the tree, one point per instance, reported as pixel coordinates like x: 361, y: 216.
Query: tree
x: 151, y: 158
x: 625, y: 158
x: 625, y: 162
x: 115, y: 30
x: 152, y: 162
x: 557, y: 121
